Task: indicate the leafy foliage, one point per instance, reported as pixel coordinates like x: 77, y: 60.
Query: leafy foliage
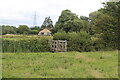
x: 69, y: 22
x: 23, y: 29
x: 26, y: 44
x: 62, y: 35
x: 33, y: 32
x: 104, y: 24
x: 100, y: 30
x: 77, y: 41
x: 35, y: 28
x: 8, y: 29
x: 47, y: 23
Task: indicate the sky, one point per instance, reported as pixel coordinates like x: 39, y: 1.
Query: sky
x: 21, y: 12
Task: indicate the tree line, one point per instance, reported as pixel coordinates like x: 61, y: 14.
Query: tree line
x: 99, y: 31
x: 104, y: 20
x: 24, y: 29
x: 102, y: 23
x: 102, y: 26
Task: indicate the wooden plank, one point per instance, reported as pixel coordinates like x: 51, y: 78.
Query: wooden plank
x: 58, y: 45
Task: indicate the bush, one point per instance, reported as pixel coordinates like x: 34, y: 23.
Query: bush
x: 26, y: 45
x: 77, y: 41
x: 97, y: 44
x: 8, y: 29
x: 82, y: 41
x: 23, y: 29
x: 61, y: 36
x: 33, y: 32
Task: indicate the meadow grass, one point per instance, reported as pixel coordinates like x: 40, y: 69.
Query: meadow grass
x: 61, y: 65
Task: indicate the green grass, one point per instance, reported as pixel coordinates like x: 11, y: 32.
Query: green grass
x: 61, y: 65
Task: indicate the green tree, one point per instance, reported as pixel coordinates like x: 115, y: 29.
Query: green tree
x: 84, y: 18
x: 33, y: 32
x: 70, y: 22
x: 6, y: 29
x: 105, y: 23
x: 35, y: 28
x: 47, y: 23
x: 23, y: 29
x: 92, y: 17
x: 67, y: 21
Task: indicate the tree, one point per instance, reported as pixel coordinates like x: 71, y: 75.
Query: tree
x: 67, y: 21
x: 23, y: 29
x: 47, y: 23
x: 85, y: 22
x: 35, y: 28
x: 84, y: 18
x: 92, y: 17
x: 70, y: 22
x: 6, y: 29
x: 33, y: 32
x: 105, y: 23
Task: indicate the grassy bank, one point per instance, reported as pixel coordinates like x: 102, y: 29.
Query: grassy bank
x: 61, y: 65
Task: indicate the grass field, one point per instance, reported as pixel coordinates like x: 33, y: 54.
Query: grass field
x: 61, y: 65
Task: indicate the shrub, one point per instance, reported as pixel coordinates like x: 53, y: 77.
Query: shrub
x: 61, y: 36
x: 8, y: 29
x: 26, y: 45
x: 97, y: 44
x: 33, y: 32
x: 77, y: 41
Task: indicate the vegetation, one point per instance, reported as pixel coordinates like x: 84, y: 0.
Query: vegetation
x: 84, y: 35
x: 8, y: 29
x: 23, y: 29
x: 82, y: 41
x: 77, y: 41
x: 68, y: 22
x: 17, y: 37
x: 47, y: 23
x: 34, y: 32
x: 25, y: 44
x: 61, y: 65
x: 101, y: 24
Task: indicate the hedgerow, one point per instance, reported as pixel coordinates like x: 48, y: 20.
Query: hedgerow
x: 26, y: 45
x: 82, y: 41
x: 77, y: 41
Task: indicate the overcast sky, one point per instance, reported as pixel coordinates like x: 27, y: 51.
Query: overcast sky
x: 19, y: 12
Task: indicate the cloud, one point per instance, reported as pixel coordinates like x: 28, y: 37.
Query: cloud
x: 22, y: 11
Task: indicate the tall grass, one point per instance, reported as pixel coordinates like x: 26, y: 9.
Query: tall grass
x: 61, y: 65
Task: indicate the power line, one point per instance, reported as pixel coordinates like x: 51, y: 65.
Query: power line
x: 35, y: 20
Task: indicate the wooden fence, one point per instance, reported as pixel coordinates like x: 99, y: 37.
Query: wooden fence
x: 58, y: 45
